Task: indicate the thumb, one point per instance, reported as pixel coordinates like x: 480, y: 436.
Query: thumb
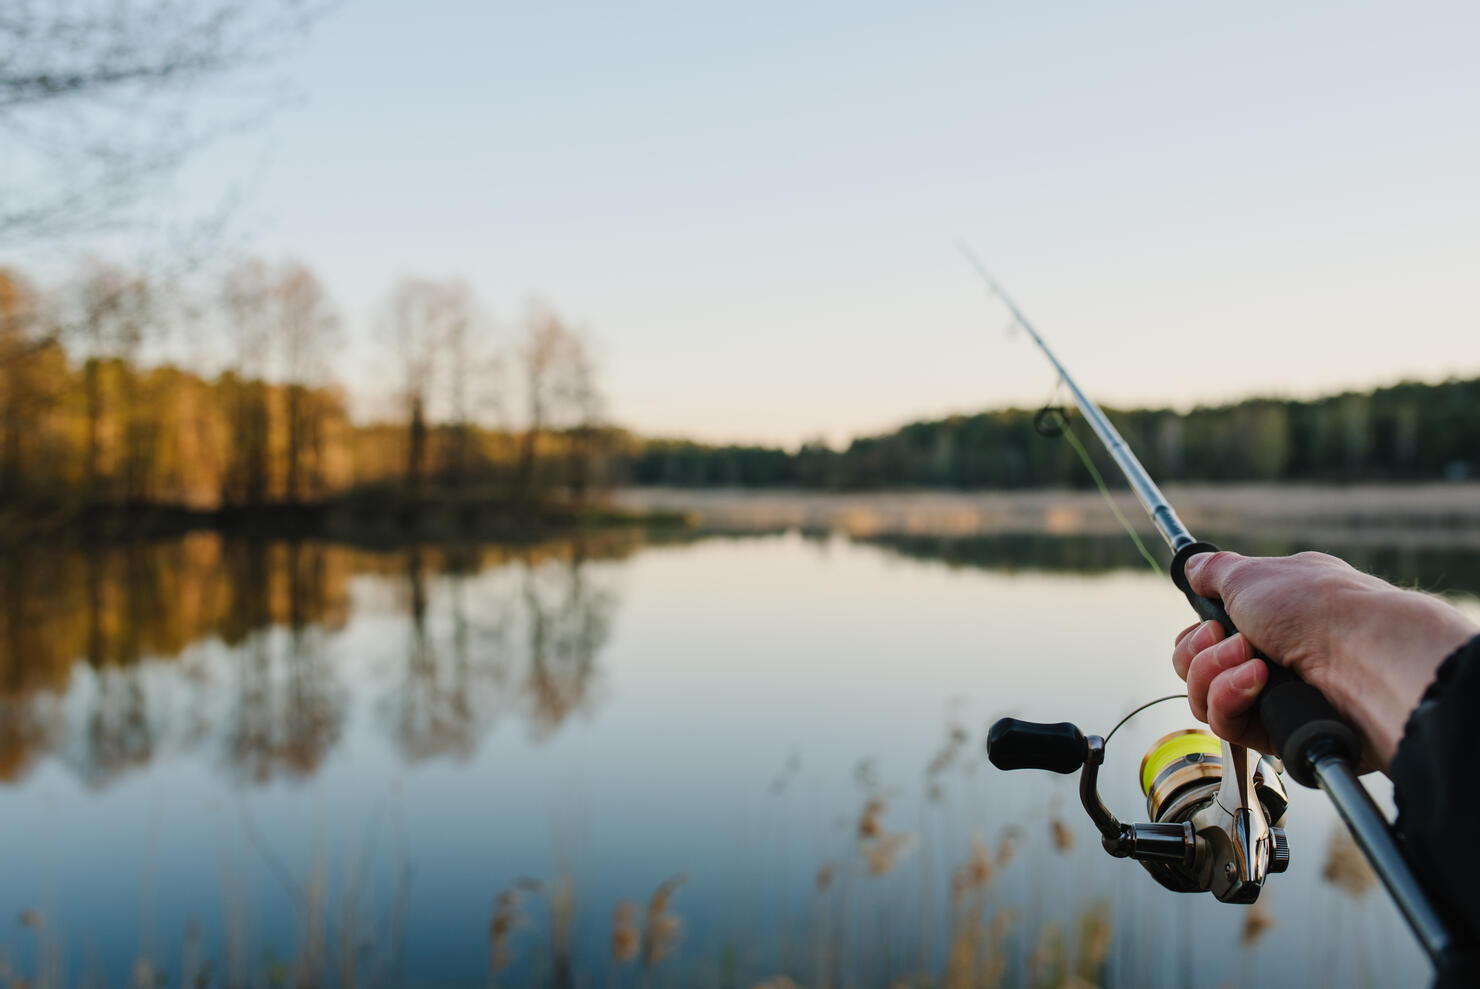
x: 1209, y: 573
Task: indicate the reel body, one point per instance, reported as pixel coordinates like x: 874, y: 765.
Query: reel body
x: 1215, y: 808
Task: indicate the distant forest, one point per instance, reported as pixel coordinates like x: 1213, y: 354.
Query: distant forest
x: 512, y: 426
x: 1406, y: 432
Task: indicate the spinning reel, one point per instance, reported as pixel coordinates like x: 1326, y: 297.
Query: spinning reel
x: 1215, y: 808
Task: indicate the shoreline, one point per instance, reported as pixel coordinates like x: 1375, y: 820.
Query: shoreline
x: 347, y: 521
x: 1390, y: 513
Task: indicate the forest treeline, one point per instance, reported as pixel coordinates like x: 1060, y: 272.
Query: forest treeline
x: 509, y: 422
x: 93, y: 419
x: 1406, y: 432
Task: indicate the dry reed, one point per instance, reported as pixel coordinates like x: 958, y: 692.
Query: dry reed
x: 663, y: 928
x: 1257, y: 920
x: 507, y: 916
x: 1346, y: 867
x: 1063, y: 837
x: 626, y: 936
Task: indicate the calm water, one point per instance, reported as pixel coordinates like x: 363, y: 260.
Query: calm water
x: 229, y: 763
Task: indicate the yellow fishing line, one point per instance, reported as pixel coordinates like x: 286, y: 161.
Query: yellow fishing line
x: 1177, y: 745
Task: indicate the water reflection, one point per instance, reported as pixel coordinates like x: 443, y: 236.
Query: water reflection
x: 454, y: 764
x: 289, y: 706
x: 94, y: 627
x: 440, y: 699
x: 569, y: 621
x: 523, y: 644
x: 1433, y: 567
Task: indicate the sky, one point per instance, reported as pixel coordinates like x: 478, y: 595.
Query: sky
x: 754, y: 208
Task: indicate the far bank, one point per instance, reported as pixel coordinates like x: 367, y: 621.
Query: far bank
x: 1393, y: 514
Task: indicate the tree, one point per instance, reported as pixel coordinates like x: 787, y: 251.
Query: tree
x: 282, y: 328
x: 111, y: 311
x: 97, y: 98
x: 584, y: 405
x: 32, y: 367
x: 560, y: 393
x: 244, y: 297
x: 413, y: 320
x: 438, y: 331
x: 470, y: 368
x: 304, y: 325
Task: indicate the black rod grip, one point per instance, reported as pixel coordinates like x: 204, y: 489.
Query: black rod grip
x: 1014, y: 744
x: 1302, y: 724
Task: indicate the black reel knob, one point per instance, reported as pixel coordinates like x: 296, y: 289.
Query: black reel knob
x: 1279, y: 859
x: 1014, y: 744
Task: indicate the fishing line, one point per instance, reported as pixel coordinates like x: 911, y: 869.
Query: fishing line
x: 1168, y: 697
x: 1043, y: 423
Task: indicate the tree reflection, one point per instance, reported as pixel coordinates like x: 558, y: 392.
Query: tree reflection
x: 569, y: 621
x: 289, y: 710
x: 120, y: 734
x: 463, y: 669
x: 457, y: 669
x: 118, y: 653
x: 27, y: 728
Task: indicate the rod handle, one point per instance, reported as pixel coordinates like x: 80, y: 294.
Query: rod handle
x: 1014, y: 744
x: 1302, y: 724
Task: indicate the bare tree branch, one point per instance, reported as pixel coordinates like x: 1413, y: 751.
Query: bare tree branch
x: 98, y: 98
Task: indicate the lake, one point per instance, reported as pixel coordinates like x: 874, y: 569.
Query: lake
x: 633, y: 758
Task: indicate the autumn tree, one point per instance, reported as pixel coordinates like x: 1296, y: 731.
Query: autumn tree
x: 17, y: 325
x: 110, y: 311
x: 245, y: 297
x: 560, y: 393
x: 471, y: 371
x: 437, y: 331
x: 304, y: 328
x: 584, y: 404
x: 412, y: 321
x: 32, y: 373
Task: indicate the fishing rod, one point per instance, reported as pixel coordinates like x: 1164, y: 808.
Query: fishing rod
x: 1216, y: 808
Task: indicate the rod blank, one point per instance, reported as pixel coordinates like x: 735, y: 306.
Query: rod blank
x: 1162, y: 515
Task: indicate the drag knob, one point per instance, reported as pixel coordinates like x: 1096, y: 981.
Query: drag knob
x: 1280, y: 860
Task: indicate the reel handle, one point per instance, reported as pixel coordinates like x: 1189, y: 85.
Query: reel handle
x: 1014, y: 744
x: 1302, y: 724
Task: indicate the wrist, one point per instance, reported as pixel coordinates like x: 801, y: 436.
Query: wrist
x: 1380, y: 673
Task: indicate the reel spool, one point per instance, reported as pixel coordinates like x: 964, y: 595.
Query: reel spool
x: 1183, y: 770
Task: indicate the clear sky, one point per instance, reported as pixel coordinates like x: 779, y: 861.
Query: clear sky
x: 754, y: 206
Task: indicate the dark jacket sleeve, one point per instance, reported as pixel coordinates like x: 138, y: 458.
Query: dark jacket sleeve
x: 1436, y: 784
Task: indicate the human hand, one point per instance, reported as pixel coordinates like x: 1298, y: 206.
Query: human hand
x: 1368, y: 646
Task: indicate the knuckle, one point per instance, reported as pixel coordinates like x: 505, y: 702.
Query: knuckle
x: 1226, y: 726
x: 1232, y: 651
x: 1317, y: 558
x: 1218, y: 562
x: 1235, y: 574
x: 1221, y: 573
x: 1199, y: 678
x: 1180, y: 664
x: 1225, y: 716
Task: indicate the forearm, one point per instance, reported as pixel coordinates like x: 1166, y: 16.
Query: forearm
x: 1378, y: 674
